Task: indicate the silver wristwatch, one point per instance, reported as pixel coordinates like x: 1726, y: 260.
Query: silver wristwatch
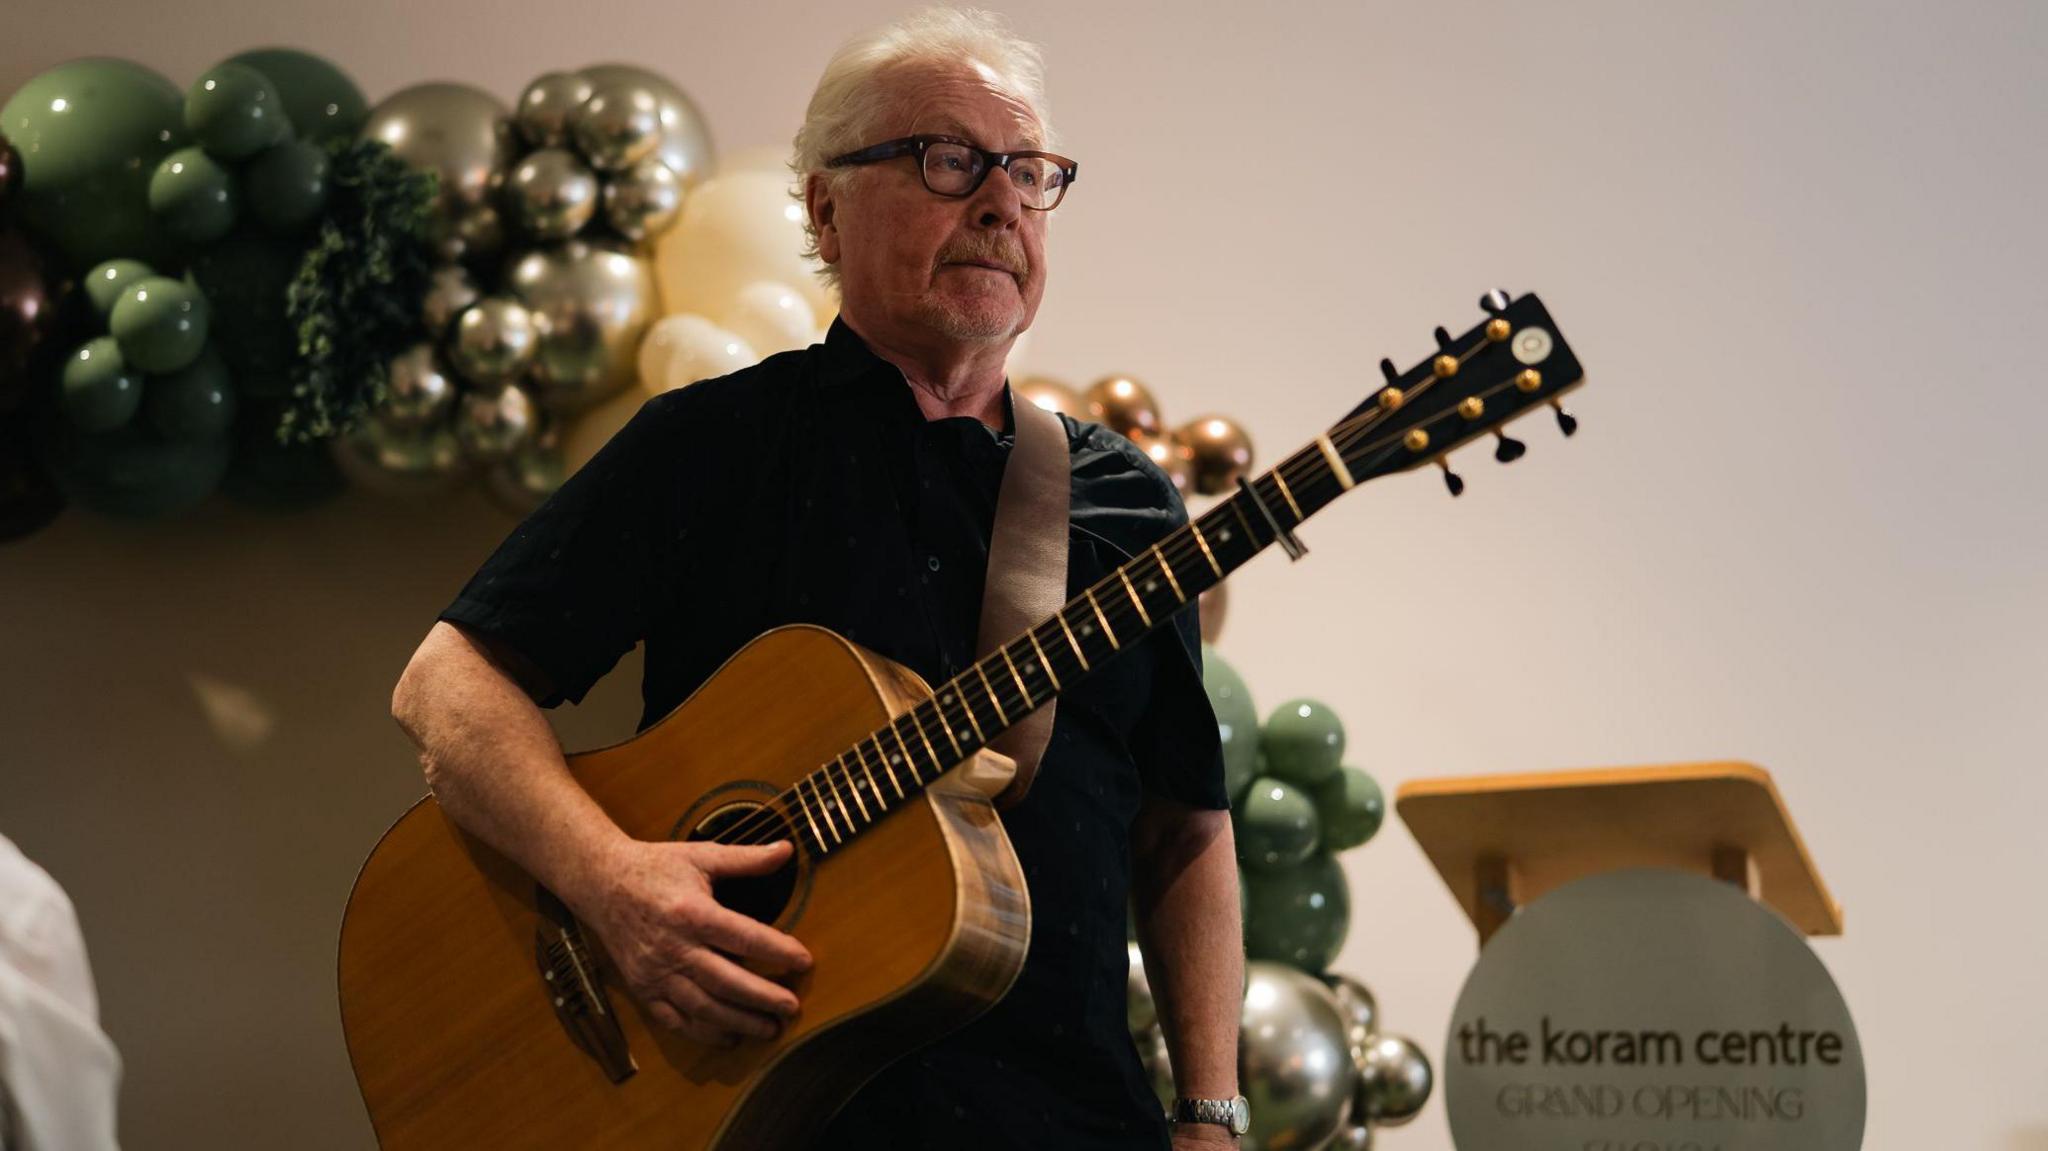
x: 1233, y: 1113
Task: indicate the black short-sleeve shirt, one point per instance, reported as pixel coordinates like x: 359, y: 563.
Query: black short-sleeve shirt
x: 810, y: 488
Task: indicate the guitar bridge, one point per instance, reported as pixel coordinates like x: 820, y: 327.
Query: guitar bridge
x: 576, y: 988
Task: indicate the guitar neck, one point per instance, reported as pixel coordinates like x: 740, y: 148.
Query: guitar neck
x: 892, y: 766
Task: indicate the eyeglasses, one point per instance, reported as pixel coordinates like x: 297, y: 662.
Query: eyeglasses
x: 954, y: 167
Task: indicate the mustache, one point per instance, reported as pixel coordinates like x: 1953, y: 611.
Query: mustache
x: 1006, y: 254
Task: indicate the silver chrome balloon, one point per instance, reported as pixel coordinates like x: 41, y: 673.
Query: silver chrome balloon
x: 399, y: 461
x: 590, y: 304
x: 685, y: 143
x: 492, y: 424
x: 1361, y: 1011
x: 547, y: 104
x: 552, y: 194
x: 450, y: 289
x: 531, y: 475
x: 464, y: 134
x: 416, y: 391
x: 1293, y: 1058
x: 641, y: 202
x: 1356, y: 1137
x: 495, y: 340
x: 619, y: 126
x: 1394, y: 1081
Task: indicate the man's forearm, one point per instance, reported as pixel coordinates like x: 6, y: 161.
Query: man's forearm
x: 1186, y: 903
x: 494, y: 763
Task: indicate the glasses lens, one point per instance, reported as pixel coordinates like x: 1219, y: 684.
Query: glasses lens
x: 949, y: 169
x: 1039, y: 181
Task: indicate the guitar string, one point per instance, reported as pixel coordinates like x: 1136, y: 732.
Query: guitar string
x: 835, y: 776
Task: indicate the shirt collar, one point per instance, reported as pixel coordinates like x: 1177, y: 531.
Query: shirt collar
x: 849, y: 362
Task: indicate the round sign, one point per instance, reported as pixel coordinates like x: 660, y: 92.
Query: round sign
x: 1651, y: 1010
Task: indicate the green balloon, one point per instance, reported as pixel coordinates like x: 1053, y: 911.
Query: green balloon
x: 100, y: 392
x: 1277, y: 825
x: 90, y: 133
x: 131, y: 473
x: 160, y: 322
x: 1303, y: 741
x: 1352, y: 808
x: 285, y: 187
x: 1237, y: 720
x: 245, y: 278
x: 1298, y: 915
x: 105, y: 283
x: 193, y: 197
x: 195, y: 403
x: 319, y: 98
x: 234, y: 111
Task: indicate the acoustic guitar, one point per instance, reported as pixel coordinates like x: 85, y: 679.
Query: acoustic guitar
x: 480, y: 1014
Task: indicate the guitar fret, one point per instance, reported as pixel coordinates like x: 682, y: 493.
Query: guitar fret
x: 1168, y: 569
x: 818, y: 803
x: 993, y: 701
x: 968, y: 708
x: 893, y: 781
x: 1114, y: 645
x: 854, y: 786
x: 903, y: 753
x: 1071, y: 641
x: 1282, y: 481
x: 1248, y: 532
x: 948, y: 729
x: 1028, y: 702
x: 1204, y: 541
x: 1044, y: 662
x: 1143, y: 615
x: 924, y: 739
x: 816, y: 835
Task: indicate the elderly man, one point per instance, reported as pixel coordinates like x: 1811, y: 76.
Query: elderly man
x: 853, y: 485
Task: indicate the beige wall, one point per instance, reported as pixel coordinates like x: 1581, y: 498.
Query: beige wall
x: 1799, y: 247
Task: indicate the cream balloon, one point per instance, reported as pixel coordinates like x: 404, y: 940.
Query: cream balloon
x: 736, y: 229
x: 772, y: 317
x: 698, y: 350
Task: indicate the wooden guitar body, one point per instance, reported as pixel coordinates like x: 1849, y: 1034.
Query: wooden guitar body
x: 452, y: 959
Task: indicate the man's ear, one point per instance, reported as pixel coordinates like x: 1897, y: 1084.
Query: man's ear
x: 823, y: 206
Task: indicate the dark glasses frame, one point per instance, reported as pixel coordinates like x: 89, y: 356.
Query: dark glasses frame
x: 990, y: 161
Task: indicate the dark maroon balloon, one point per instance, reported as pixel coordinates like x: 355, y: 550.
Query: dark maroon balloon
x: 26, y: 313
x: 10, y: 170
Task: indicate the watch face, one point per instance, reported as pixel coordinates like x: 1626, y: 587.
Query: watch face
x: 1240, y: 1115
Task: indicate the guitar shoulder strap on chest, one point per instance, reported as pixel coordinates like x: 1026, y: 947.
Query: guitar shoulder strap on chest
x: 1027, y: 568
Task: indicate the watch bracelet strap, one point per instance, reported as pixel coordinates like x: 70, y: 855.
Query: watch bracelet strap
x: 1217, y: 1111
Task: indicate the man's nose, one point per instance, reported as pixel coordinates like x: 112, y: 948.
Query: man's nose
x: 997, y: 203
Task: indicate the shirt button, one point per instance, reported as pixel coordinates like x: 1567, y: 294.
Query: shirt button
x: 932, y: 562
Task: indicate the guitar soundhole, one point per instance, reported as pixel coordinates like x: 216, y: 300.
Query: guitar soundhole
x: 761, y: 897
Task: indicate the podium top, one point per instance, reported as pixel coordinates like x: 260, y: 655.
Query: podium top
x: 1541, y: 830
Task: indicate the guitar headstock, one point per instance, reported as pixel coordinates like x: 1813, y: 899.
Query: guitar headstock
x: 1513, y: 361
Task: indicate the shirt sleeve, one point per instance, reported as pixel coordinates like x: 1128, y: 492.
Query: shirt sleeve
x: 575, y: 586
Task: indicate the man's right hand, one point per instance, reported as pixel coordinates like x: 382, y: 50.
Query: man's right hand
x: 678, y: 950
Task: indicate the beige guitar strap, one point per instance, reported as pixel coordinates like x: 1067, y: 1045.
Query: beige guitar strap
x: 1027, y: 568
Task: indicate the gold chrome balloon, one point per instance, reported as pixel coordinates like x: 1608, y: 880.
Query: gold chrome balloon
x: 685, y: 141
x: 1296, y: 1066
x: 552, y: 194
x: 450, y: 289
x: 590, y: 305
x: 461, y: 133
x: 546, y: 106
x: 641, y: 202
x: 1052, y: 395
x: 1219, y: 450
x: 495, y: 340
x: 1170, y: 455
x: 1123, y: 405
x: 416, y: 391
x: 491, y: 424
x: 619, y: 126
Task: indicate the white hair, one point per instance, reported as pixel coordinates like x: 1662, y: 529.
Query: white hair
x: 852, y: 99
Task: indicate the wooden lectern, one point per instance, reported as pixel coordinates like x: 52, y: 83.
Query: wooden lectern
x: 1502, y: 841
